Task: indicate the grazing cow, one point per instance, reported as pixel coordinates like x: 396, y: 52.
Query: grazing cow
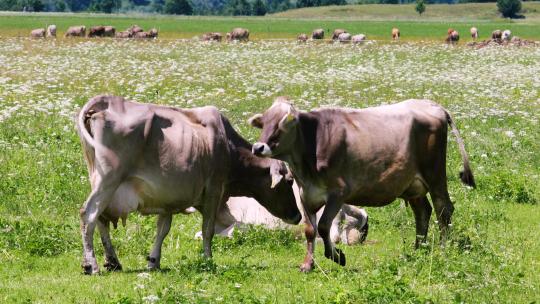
x: 51, y: 31
x: 38, y: 33
x: 349, y: 227
x: 395, y: 33
x: 506, y: 35
x: 109, y: 31
x: 153, y: 33
x: 496, y: 35
x: 453, y: 37
x: 360, y: 38
x: 474, y: 33
x: 337, y: 32
x: 344, y: 37
x: 212, y: 37
x: 365, y: 157
x: 317, y: 34
x: 96, y: 31
x: 238, y: 34
x: 122, y: 34
x: 134, y: 29
x: 163, y: 160
x: 76, y: 31
x: 302, y: 38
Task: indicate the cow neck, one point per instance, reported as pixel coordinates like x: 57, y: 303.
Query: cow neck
x: 302, y: 159
x: 246, y: 168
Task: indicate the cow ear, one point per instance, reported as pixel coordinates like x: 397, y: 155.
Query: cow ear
x: 256, y: 121
x: 287, y: 121
x: 275, y: 173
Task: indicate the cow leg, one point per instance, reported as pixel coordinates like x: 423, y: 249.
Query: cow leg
x: 163, y: 227
x: 310, y: 232
x: 443, y: 209
x: 325, y: 223
x: 90, y: 212
x: 211, y: 203
x: 422, y: 213
x: 111, y: 260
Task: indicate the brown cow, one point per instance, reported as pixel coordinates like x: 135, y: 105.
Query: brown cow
x: 496, y: 35
x: 96, y: 31
x: 395, y: 33
x: 134, y: 29
x: 38, y: 33
x: 317, y: 34
x: 302, y: 38
x: 122, y: 34
x: 109, y: 31
x: 337, y: 32
x: 76, y: 31
x: 453, y: 37
x: 162, y: 160
x: 238, y: 34
x: 212, y: 36
x: 474, y: 33
x: 153, y: 33
x: 365, y: 157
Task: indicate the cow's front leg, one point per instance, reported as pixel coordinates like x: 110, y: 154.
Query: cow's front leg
x: 331, y: 209
x: 111, y: 260
x: 163, y: 227
x: 310, y: 229
x: 211, y: 203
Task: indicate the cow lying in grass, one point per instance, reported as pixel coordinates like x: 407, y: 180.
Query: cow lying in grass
x: 162, y: 160
x: 365, y: 157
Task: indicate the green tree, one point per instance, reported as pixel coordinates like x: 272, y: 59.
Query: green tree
x: 238, y: 8
x: 509, y: 8
x: 420, y: 6
x: 105, y: 6
x: 178, y: 7
x: 60, y: 6
x: 259, y: 8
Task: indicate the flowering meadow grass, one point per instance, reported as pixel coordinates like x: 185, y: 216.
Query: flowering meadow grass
x: 493, y: 94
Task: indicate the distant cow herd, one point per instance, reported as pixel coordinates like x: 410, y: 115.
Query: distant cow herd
x: 242, y: 34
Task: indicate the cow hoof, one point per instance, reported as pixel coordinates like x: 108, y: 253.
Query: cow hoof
x: 153, y: 263
x: 89, y: 270
x: 337, y: 256
x: 306, y: 267
x: 113, y: 266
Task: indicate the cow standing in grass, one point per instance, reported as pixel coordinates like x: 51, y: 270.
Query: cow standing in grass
x: 365, y: 157
x: 238, y: 34
x: 302, y: 38
x: 337, y: 32
x: 474, y: 33
x: 51, y: 31
x: 395, y: 33
x: 317, y: 34
x: 76, y: 31
x: 453, y: 37
x: 38, y: 33
x: 162, y: 160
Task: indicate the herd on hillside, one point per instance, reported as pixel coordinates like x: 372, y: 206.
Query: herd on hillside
x: 241, y: 34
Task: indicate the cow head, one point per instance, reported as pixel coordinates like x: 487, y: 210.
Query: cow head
x: 278, y: 126
x: 276, y: 193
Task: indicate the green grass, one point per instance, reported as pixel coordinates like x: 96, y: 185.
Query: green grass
x: 376, y: 21
x: 492, y: 255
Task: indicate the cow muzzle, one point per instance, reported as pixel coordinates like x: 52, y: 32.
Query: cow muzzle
x: 261, y: 149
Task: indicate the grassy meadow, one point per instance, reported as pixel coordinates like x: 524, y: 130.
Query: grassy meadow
x: 493, y: 94
x: 376, y: 21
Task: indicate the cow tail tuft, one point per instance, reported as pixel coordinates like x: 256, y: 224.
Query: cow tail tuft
x: 466, y: 175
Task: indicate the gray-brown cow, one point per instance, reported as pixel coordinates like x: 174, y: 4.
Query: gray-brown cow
x: 151, y: 34
x: 76, y: 31
x: 337, y: 32
x: 239, y: 34
x: 317, y: 34
x: 38, y: 33
x: 162, y: 160
x: 365, y: 157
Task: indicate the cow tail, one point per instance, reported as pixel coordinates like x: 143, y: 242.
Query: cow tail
x: 87, y: 141
x: 466, y: 175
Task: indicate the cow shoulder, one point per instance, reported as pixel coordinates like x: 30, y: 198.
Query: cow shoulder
x: 330, y: 137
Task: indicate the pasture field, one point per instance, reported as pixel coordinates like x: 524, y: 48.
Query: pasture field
x: 493, y: 94
x: 376, y: 21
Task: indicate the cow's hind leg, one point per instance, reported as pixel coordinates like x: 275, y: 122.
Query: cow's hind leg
x: 422, y: 213
x: 111, y: 260
x: 163, y: 227
x: 90, y: 212
x: 443, y: 209
x: 325, y: 223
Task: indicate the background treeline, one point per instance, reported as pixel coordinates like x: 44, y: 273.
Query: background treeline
x: 189, y: 7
